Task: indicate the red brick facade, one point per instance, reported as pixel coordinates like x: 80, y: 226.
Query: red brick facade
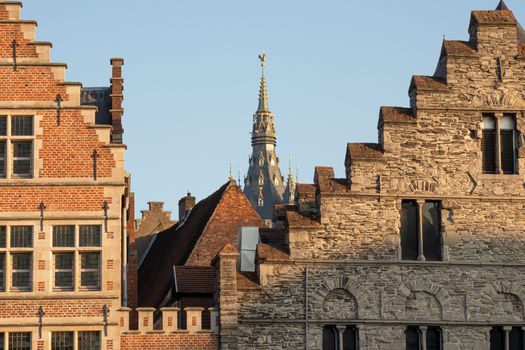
x: 177, y: 341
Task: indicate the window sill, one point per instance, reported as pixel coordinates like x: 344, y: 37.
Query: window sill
x: 500, y: 177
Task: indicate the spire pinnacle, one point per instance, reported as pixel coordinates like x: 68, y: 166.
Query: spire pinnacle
x: 231, y: 170
x: 502, y: 6
x: 263, y: 91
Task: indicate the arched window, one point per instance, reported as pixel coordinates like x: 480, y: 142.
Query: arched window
x: 498, y: 335
x: 422, y: 337
x: 332, y: 337
x: 499, y: 144
x: 488, y: 144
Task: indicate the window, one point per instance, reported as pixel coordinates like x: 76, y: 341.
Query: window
x: 90, y: 270
x: 2, y: 341
x: 71, y: 250
x: 333, y: 335
x: 2, y: 272
x: 21, y: 236
x: 20, y: 341
x: 21, y: 271
x: 62, y: 340
x: 421, y: 230
x: 3, y: 236
x: 64, y: 267
x: 498, y: 335
x: 16, y: 146
x: 422, y: 337
x: 499, y: 144
x: 88, y: 340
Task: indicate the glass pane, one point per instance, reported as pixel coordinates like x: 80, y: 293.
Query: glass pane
x: 432, y: 231
x: 64, y: 261
x: 22, y: 167
x: 329, y: 338
x: 409, y: 227
x: 64, y: 279
x: 489, y: 122
x: 88, y: 340
x: 89, y: 279
x: 62, y: 341
x: 507, y: 123
x: 3, y: 125
x: 508, y: 151
x: 350, y: 338
x: 3, y: 151
x: 412, y: 338
x: 21, y: 261
x: 90, y: 260
x: 22, y: 149
x: 20, y: 341
x: 64, y: 236
x: 21, y: 236
x: 433, y: 338
x: 90, y: 235
x: 516, y: 339
x: 497, y: 338
x: 2, y: 339
x: 22, y: 125
x: 3, y: 234
x: 488, y: 145
x: 2, y: 273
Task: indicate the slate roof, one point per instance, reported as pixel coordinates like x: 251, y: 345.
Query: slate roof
x: 173, y: 247
x: 194, y: 279
x: 100, y: 98
x: 459, y: 48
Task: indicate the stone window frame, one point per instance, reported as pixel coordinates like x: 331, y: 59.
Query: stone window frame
x: 339, y: 333
x: 7, y: 252
x: 9, y: 140
x: 422, y: 333
x: 497, y: 118
x: 77, y: 345
x: 420, y: 233
x: 506, y: 335
x: 78, y: 251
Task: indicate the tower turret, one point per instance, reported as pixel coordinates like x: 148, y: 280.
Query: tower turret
x: 264, y: 183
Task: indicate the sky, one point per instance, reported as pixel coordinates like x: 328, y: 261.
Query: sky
x: 191, y: 75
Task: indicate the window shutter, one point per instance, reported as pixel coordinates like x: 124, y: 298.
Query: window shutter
x: 507, y: 151
x: 488, y: 145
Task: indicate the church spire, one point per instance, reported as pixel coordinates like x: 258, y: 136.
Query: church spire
x: 263, y: 90
x: 263, y: 120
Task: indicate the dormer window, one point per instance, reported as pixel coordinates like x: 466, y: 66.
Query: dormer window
x: 499, y: 144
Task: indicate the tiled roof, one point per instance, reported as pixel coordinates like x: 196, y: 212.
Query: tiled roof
x: 295, y: 219
x: 273, y: 236
x: 100, y: 98
x: 391, y: 115
x: 173, y: 247
x: 363, y: 151
x: 458, y: 48
x: 194, y: 279
x: 428, y: 83
x: 325, y: 179
x: 306, y: 188
x: 268, y: 252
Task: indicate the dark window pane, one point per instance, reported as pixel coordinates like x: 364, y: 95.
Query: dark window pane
x: 22, y: 158
x: 497, y: 339
x: 90, y: 235
x: 3, y: 125
x: 21, y: 236
x: 350, y: 338
x: 22, y: 149
x: 90, y: 273
x: 2, y: 273
x: 330, y: 338
x: 409, y: 237
x: 62, y: 340
x: 20, y: 341
x: 21, y: 276
x: 412, y: 338
x: 88, y: 340
x: 3, y: 234
x: 64, y: 263
x: 433, y: 338
x: 508, y: 151
x: 3, y: 152
x: 64, y: 236
x: 488, y: 145
x: 22, y: 125
x: 516, y: 339
x: 432, y: 231
x: 90, y: 260
x: 2, y: 339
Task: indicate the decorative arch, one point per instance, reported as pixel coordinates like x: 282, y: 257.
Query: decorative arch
x: 507, y: 300
x: 430, y: 295
x: 344, y: 290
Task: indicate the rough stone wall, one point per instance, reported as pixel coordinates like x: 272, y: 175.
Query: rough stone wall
x: 431, y: 151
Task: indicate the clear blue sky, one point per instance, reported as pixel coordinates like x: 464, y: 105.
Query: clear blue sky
x: 192, y: 75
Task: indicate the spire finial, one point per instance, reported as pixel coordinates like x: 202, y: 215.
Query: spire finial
x: 502, y: 6
x: 297, y: 174
x: 239, y: 177
x: 263, y: 92
x: 231, y: 170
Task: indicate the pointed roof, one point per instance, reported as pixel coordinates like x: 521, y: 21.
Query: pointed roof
x: 263, y: 90
x: 502, y: 6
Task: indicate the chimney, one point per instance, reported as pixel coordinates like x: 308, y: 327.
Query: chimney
x: 185, y: 205
x: 117, y: 96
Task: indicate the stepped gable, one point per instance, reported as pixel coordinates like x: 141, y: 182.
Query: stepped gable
x: 210, y: 225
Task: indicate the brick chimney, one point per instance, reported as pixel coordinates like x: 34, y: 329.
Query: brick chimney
x: 185, y: 205
x: 117, y: 96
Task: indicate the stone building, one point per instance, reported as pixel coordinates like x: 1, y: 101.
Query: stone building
x: 421, y: 245
x: 63, y: 199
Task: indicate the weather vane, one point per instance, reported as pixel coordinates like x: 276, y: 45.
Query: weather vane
x: 262, y: 57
